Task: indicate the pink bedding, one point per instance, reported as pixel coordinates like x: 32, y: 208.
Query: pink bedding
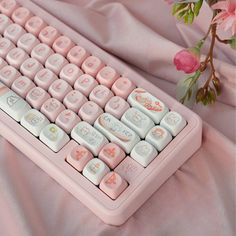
x: 199, y: 199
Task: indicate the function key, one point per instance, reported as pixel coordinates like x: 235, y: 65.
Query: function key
x: 14, y: 32
x: 44, y: 78
x: 56, y: 62
x: 62, y: 45
x: 92, y: 65
x: 112, y: 155
x: 77, y: 55
x: 21, y: 15
x: 107, y: 76
x: 159, y: 137
x: 8, y: 75
x: 27, y: 42
x: 8, y: 6
x: 34, y: 25
x: 116, y: 106
x: 148, y: 104
x: 95, y: 170
x: 143, y: 152
x: 34, y: 121
x: 123, y: 87
x: 54, y: 137
x: 48, y: 35
x: 41, y: 52
x: 79, y: 157
x: 5, y: 21
x: 113, y: 185
x: 30, y: 67
x: 16, y: 57
x: 5, y: 46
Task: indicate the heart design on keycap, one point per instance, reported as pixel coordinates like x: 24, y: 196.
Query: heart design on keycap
x: 110, y: 152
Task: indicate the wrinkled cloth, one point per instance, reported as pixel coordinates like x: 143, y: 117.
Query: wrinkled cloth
x: 199, y: 199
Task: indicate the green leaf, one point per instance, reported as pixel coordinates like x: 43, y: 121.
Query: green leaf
x: 190, y: 17
x: 177, y: 7
x: 197, y: 7
x: 181, y: 14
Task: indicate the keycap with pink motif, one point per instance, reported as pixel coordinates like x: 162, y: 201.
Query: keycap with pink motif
x: 56, y: 62
x: 8, y: 6
x: 30, y: 67
x: 77, y: 55
x: 62, y: 45
x: 22, y: 85
x: 27, y: 42
x: 112, y: 155
x: 74, y: 100
x: 79, y: 157
x: 67, y: 120
x: 36, y: 97
x: 90, y: 111
x: 52, y: 108
x: 101, y: 94
x: 85, y: 84
x: 14, y: 32
x: 44, y: 78
x: 123, y: 87
x: 107, y: 76
x: 5, y: 46
x: 59, y: 88
x: 8, y: 75
x: 21, y: 15
x: 92, y: 65
x: 113, y: 185
x: 16, y: 57
x: 70, y: 73
x: 4, y: 22
x: 48, y: 35
x: 41, y: 52
x: 117, y: 106
x: 34, y: 25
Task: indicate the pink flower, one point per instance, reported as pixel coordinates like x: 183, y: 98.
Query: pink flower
x: 187, y: 60
x: 226, y: 18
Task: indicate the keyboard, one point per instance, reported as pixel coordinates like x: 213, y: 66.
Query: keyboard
x: 102, y: 131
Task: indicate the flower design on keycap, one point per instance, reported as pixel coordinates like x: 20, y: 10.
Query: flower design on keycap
x: 158, y: 133
x: 79, y: 154
x: 94, y: 168
x: 148, y: 103
x: 111, y: 179
x: 110, y: 152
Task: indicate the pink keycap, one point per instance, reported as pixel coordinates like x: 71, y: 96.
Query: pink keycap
x: 79, y: 157
x: 123, y: 87
x: 8, y: 75
x: 77, y: 55
x: 14, y: 32
x: 3, y: 63
x: 67, y: 120
x: 27, y: 42
x: 70, y: 73
x: 113, y: 185
x: 59, y: 88
x: 30, y: 67
x: 52, y: 108
x: 41, y: 52
x: 16, y: 57
x: 62, y: 45
x: 48, y: 35
x: 92, y: 65
x: 90, y: 111
x: 129, y: 169
x: 85, y: 84
x: 74, y: 100
x: 21, y: 15
x: 107, y: 76
x: 36, y: 97
x: 44, y: 78
x: 5, y: 21
x: 56, y: 62
x: 112, y: 155
x: 5, y: 46
x: 22, y: 85
x: 117, y: 106
x: 8, y: 6
x: 100, y: 95
x: 34, y: 25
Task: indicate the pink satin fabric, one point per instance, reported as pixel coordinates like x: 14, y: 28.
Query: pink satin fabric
x: 199, y: 199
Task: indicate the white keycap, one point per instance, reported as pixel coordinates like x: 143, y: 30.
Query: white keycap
x: 117, y: 132
x: 89, y: 137
x: 173, y: 122
x: 159, y: 137
x: 54, y: 137
x: 16, y: 57
x: 5, y: 46
x: 14, y: 32
x: 30, y: 67
x: 34, y: 121
x: 4, y: 22
x: 137, y: 121
x: 27, y: 42
x: 95, y: 170
x: 148, y: 104
x: 12, y: 104
x: 56, y: 62
x: 143, y: 152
